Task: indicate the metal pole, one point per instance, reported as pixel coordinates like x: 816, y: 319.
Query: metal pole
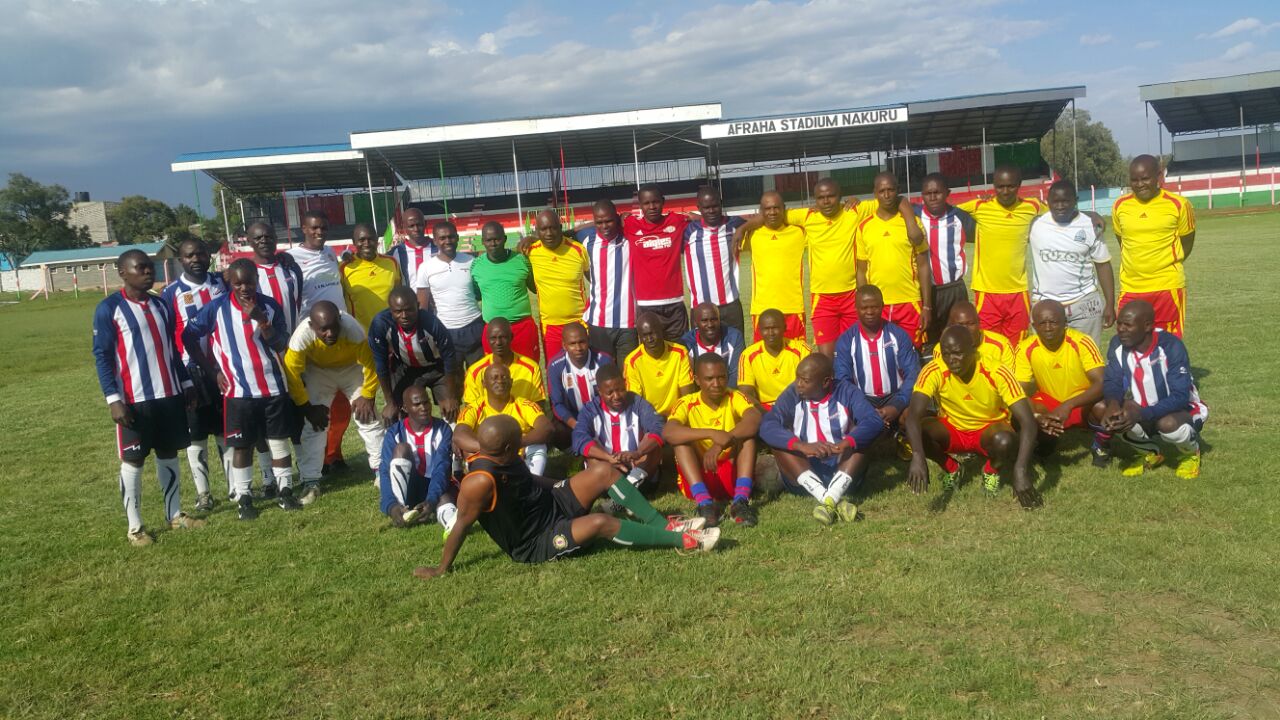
x: 226, y: 222
x: 443, y: 192
x: 515, y: 170
x: 1160, y: 137
x: 1075, y: 157
x: 984, y: 154
x: 1242, y: 163
x: 906, y: 148
x: 196, y: 185
x: 373, y: 209
x: 242, y: 218
x: 636, y: 153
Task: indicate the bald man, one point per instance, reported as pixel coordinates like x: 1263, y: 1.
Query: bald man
x: 327, y: 354
x: 535, y: 426
x: 711, y: 258
x: 777, y: 278
x: 416, y: 249
x: 1156, y: 230
x: 526, y: 374
x: 1148, y: 391
x: 1061, y: 371
x: 895, y: 260
x: 560, y: 269
x: 534, y: 522
x: 992, y: 347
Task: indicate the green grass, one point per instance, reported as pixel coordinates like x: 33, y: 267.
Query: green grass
x: 1147, y: 598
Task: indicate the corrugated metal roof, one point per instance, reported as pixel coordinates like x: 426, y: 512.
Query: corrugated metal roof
x: 91, y: 254
x: 1215, y: 103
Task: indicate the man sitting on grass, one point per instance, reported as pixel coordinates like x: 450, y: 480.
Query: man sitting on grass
x: 767, y: 367
x: 994, y: 349
x: 571, y: 376
x: 878, y: 357
x: 526, y: 376
x: 1149, y: 391
x: 620, y: 429
x: 820, y: 429
x: 713, y: 433
x: 974, y: 400
x: 1061, y: 370
x: 535, y: 426
x: 710, y: 335
x: 532, y: 522
x: 658, y: 370
x: 415, y: 461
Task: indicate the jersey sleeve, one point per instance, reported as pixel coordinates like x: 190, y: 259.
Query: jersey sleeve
x: 680, y: 413
x: 1186, y: 219
x: 583, y: 438
x: 529, y: 413
x: 909, y: 364
x: 867, y: 422
x: 469, y: 415
x: 1179, y: 379
x: 386, y: 491
x: 968, y: 206
x: 378, y: 343
x: 364, y: 355
x: 441, y: 465
x: 1022, y: 371
x: 104, y: 357
x: 745, y: 374
x: 295, y: 362
x: 1008, y: 388
x: 633, y: 376
x: 473, y: 387
x: 929, y: 381
x: 684, y: 371
x: 843, y: 365
x: 773, y: 427
x: 1088, y: 353
x: 650, y: 421
x: 1100, y: 252
x: 860, y: 247
x: 559, y: 404
x: 1113, y: 375
x: 444, y: 342
x: 539, y: 387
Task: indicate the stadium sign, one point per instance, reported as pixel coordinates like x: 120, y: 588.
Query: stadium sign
x: 801, y: 123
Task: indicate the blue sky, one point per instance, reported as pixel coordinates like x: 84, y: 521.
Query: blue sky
x: 101, y: 96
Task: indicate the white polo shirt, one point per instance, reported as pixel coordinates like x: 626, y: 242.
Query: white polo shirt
x: 451, y: 288
x: 1063, y: 258
x: 321, y: 279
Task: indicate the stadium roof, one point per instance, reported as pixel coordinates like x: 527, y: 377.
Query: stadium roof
x: 98, y: 253
x: 596, y: 139
x: 273, y: 169
x: 1005, y: 117
x: 1215, y: 103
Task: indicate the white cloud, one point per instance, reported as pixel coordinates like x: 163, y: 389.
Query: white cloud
x: 1249, y: 24
x: 1236, y: 52
x: 1147, y: 45
x: 1095, y: 39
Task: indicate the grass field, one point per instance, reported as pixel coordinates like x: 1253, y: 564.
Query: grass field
x: 1147, y: 598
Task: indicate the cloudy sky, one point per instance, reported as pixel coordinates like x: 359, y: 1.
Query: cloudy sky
x: 102, y: 95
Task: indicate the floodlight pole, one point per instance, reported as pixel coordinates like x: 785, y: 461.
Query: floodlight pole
x: 1242, y: 163
x: 906, y: 148
x: 1075, y: 157
x: 515, y: 170
x: 984, y: 154
x: 635, y: 150
x: 373, y: 210
x: 226, y: 222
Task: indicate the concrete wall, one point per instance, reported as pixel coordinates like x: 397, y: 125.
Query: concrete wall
x: 93, y: 215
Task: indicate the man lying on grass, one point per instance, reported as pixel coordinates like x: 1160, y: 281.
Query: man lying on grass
x: 533, y: 521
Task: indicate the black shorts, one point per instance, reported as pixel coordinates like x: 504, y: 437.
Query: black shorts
x: 159, y: 425
x: 944, y: 297
x: 731, y: 314
x: 248, y: 420
x: 206, y: 418
x: 616, y: 342
x: 466, y: 342
x: 674, y: 316
x: 557, y: 539
x: 432, y: 378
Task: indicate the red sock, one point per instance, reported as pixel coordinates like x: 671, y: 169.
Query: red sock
x: 950, y: 465
x: 987, y: 467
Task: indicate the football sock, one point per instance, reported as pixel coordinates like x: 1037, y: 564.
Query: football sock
x: 812, y: 484
x: 535, y: 458
x: 264, y: 464
x: 987, y: 467
x: 447, y: 514
x: 1184, y: 439
x: 742, y: 489
x: 1138, y: 438
x: 637, y: 475
x: 399, y: 473
x: 840, y: 482
x: 950, y: 464
x: 131, y: 494
x: 167, y: 474
x: 700, y: 494
x: 198, y: 460
x: 241, y: 481
x: 279, y: 449
x: 633, y: 533
x: 623, y: 493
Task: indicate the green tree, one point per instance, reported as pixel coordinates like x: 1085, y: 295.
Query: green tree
x: 34, y: 217
x: 185, y: 216
x: 139, y: 219
x: 1100, y: 161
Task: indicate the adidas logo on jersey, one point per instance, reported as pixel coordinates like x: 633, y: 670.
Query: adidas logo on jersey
x: 968, y: 396
x: 1143, y: 215
x: 1057, y: 366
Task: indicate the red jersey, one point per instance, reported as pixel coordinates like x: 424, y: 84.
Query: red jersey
x: 656, y: 250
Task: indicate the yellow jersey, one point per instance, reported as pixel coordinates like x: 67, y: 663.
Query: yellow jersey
x: 831, y: 251
x: 1062, y: 374
x: 526, y: 380
x: 366, y: 285
x: 694, y: 412
x: 659, y: 380
x: 1000, y: 245
x: 776, y: 270
x: 524, y: 412
x: 307, y: 349
x: 1151, y: 241
x: 771, y: 374
x: 995, y: 349
x: 983, y: 400
x: 559, y: 275
x: 890, y: 257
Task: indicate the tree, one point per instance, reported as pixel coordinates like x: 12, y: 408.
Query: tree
x: 34, y: 217
x: 139, y: 219
x: 1100, y: 161
x: 185, y: 216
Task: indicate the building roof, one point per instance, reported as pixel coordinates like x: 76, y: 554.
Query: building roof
x: 1215, y: 103
x: 333, y: 166
x: 87, y: 255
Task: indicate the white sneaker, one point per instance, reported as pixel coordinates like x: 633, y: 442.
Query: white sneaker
x: 702, y: 540
x: 139, y: 538
x: 681, y: 524
x: 310, y: 493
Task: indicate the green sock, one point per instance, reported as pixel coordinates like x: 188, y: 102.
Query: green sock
x: 633, y: 533
x: 629, y: 497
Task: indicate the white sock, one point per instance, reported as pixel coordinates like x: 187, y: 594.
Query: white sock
x: 280, y: 451
x: 264, y: 464
x: 1137, y: 437
x: 198, y: 460
x: 131, y: 494
x: 812, y: 484
x: 167, y: 474
x: 1184, y: 439
x: 447, y: 514
x: 241, y: 481
x: 840, y: 482
x: 637, y: 476
x: 535, y: 458
x: 400, y: 470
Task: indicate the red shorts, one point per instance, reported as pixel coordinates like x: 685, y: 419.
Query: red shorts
x: 719, y: 484
x: 965, y: 441
x: 1170, y: 307
x: 833, y: 313
x: 1075, y: 419
x: 794, y: 328
x: 524, y: 338
x: 907, y: 317
x: 1006, y: 313
x: 551, y: 338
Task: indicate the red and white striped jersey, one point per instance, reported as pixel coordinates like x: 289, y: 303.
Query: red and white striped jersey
x: 251, y: 365
x: 282, y: 282
x: 134, y: 350
x: 710, y: 267
x: 187, y: 297
x: 611, y: 300
x: 947, y: 235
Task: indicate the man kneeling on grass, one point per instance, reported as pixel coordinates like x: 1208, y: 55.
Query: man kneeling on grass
x: 415, y: 461
x: 713, y: 433
x: 534, y: 522
x: 820, y: 429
